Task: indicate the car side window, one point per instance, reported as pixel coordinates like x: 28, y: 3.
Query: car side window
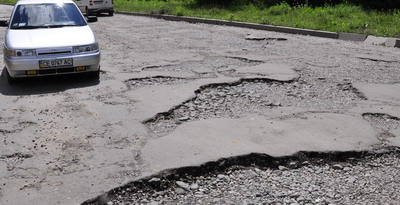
x: 20, y: 18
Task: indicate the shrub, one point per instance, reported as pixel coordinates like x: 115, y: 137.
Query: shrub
x: 280, y: 9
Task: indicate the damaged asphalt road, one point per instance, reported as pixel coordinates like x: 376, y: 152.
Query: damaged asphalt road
x: 173, y: 94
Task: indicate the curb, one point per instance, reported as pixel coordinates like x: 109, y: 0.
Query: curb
x: 373, y: 40
x: 324, y: 34
x: 352, y: 36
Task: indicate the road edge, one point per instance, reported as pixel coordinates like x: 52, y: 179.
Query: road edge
x: 368, y: 39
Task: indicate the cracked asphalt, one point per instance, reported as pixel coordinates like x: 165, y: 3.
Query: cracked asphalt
x: 173, y: 94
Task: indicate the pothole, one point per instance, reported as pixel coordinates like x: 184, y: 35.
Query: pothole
x: 4, y: 132
x: 383, y: 123
x: 154, y: 81
x: 362, y: 72
x: 257, y: 97
x: 208, y: 63
x: 205, y: 74
x: 376, y: 59
x: 304, y: 178
x: 14, y: 159
x: 260, y: 38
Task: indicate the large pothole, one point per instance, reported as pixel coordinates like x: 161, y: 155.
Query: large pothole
x: 305, y: 178
x: 256, y: 97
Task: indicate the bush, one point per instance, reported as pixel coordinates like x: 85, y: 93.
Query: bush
x: 281, y: 9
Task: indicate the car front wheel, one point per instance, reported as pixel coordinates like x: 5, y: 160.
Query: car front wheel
x: 10, y: 79
x: 95, y: 74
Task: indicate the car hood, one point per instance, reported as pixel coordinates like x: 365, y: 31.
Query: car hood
x: 49, y: 37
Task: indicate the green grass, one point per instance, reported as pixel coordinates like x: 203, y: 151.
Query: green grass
x: 339, y: 18
x: 8, y: 1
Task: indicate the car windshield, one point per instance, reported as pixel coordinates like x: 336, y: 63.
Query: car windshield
x: 31, y: 16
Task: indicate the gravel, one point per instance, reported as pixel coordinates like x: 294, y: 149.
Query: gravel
x: 373, y: 179
x: 257, y: 96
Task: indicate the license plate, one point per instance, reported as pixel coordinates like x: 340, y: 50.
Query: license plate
x: 56, y: 63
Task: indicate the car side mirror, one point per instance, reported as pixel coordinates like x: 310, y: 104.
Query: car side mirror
x: 91, y: 19
x: 3, y: 23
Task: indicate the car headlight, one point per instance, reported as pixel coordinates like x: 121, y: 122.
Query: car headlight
x: 86, y: 48
x: 19, y: 52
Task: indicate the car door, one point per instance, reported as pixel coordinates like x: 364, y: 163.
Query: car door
x: 109, y: 3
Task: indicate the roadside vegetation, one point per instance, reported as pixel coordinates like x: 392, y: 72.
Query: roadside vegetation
x: 8, y: 1
x: 340, y: 16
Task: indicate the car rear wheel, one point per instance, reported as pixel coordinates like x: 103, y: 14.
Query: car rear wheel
x: 87, y: 11
x: 111, y: 13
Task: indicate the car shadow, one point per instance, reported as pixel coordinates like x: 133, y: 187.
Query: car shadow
x: 44, y: 85
x: 103, y: 15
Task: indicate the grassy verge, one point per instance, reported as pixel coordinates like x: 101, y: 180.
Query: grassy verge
x: 8, y: 1
x: 339, y: 18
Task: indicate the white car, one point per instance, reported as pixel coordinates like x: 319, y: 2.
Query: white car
x: 49, y: 37
x: 90, y: 7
